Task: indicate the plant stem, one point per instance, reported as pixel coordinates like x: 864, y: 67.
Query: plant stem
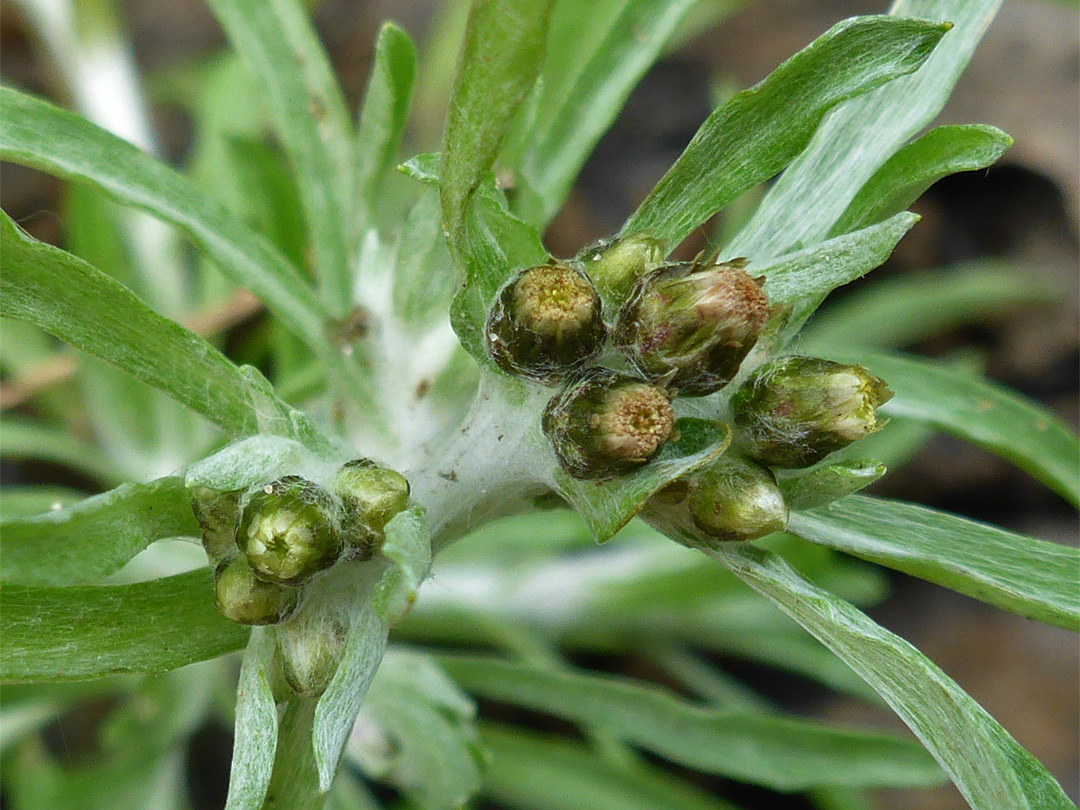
x: 294, y: 784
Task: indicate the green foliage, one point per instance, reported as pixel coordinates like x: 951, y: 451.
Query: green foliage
x: 378, y: 288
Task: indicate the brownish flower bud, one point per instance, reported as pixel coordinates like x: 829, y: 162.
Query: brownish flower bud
x: 371, y: 495
x: 690, y: 327
x: 545, y: 324
x: 244, y: 598
x: 605, y: 423
x: 737, y: 500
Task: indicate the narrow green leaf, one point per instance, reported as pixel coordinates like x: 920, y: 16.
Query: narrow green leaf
x: 35, y: 133
x: 95, y: 537
x: 783, y: 753
x: 383, y: 114
x: 434, y: 757
x: 530, y: 771
x: 256, y: 729
x: 408, y: 547
x: 798, y: 282
x: 759, y: 131
x: 976, y: 410
x: 607, y: 506
x: 829, y: 483
x: 987, y: 765
x: 84, y: 307
x: 904, y: 177
x: 906, y: 308
x: 29, y: 439
x: 25, y: 501
x: 501, y: 56
x: 858, y: 137
x: 1034, y: 578
x: 304, y: 102
x: 567, y: 131
x: 424, y: 281
x: 83, y: 632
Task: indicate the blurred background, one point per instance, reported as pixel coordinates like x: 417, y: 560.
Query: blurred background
x: 1022, y: 215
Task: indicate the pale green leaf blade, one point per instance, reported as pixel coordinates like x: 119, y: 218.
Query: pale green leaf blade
x: 435, y: 758
x: 904, y: 177
x: 83, y: 632
x: 1033, y: 578
x: 907, y: 308
x: 256, y: 728
x: 37, y: 134
x: 566, y: 132
x: 782, y: 753
x: 607, y: 506
x: 96, y: 536
x: 859, y: 136
x: 529, y: 771
x: 759, y: 131
x: 799, y: 281
x: 987, y: 765
x: 84, y: 307
x: 500, y: 59
x: 976, y: 410
x: 383, y: 114
x: 829, y: 483
x: 304, y: 102
x: 408, y: 547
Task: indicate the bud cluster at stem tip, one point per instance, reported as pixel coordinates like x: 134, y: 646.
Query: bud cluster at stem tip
x: 267, y: 543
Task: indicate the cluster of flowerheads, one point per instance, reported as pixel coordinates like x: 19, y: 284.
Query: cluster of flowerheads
x: 677, y: 330
x: 266, y: 543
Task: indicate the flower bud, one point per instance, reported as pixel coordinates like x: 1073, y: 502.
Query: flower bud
x: 545, y: 323
x: 615, y: 265
x: 606, y: 423
x: 288, y: 531
x: 690, y: 327
x: 737, y: 500
x: 218, y: 514
x: 371, y: 495
x: 795, y: 411
x: 244, y: 598
x: 310, y: 651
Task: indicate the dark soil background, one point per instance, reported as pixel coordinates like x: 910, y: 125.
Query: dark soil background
x: 1025, y: 78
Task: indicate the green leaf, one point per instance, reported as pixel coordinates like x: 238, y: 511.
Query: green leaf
x: 83, y: 632
x: 256, y: 729
x: 35, y: 133
x: 607, y: 506
x: 384, y: 113
x: 862, y: 134
x: 1020, y: 574
x: 18, y: 501
x: 501, y: 56
x: 581, y: 100
x: 798, y: 282
x: 904, y: 177
x: 82, y: 306
x: 433, y: 752
x: 530, y: 771
x: 759, y: 131
x: 408, y: 547
x: 424, y: 282
x: 906, y: 308
x: 987, y: 765
x: 978, y: 411
x: 828, y: 483
x: 782, y: 753
x: 97, y: 536
x: 308, y: 112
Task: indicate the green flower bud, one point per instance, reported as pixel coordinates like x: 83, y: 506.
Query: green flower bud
x: 218, y: 514
x: 372, y: 495
x: 615, y: 265
x: 690, y: 327
x: 244, y: 598
x: 310, y: 652
x: 605, y: 423
x: 795, y: 411
x: 545, y: 323
x: 288, y: 531
x: 737, y: 500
